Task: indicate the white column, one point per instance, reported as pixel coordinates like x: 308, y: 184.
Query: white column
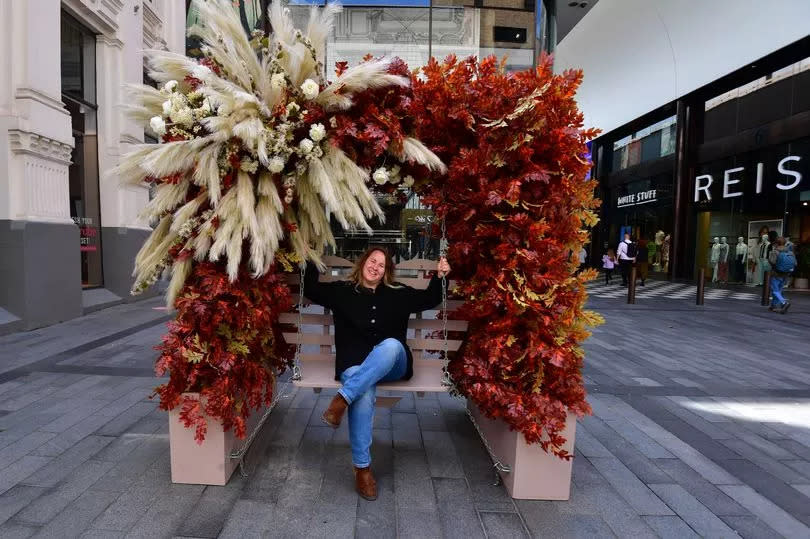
x: 35, y: 131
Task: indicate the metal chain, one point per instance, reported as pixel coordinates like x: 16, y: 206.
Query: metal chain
x: 447, y: 380
x: 240, y: 453
x: 297, y: 361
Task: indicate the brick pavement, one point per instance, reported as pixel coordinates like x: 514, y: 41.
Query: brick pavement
x: 701, y: 427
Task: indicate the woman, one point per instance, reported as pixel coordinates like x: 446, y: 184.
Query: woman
x: 371, y: 314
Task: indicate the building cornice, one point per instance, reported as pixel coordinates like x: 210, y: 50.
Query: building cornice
x: 24, y: 142
x: 42, y: 98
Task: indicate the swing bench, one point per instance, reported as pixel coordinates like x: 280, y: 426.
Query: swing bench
x: 317, y: 370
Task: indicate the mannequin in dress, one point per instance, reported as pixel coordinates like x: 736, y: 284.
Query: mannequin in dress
x: 714, y: 258
x: 722, y: 261
x: 762, y: 259
x: 740, y: 259
x: 665, y: 254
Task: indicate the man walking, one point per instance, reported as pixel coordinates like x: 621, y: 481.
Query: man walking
x: 627, y: 256
x: 783, y: 262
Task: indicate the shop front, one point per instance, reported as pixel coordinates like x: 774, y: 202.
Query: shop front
x: 740, y: 203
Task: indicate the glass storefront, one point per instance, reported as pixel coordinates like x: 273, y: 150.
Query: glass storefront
x: 739, y: 200
x: 415, y: 30
x: 78, y: 66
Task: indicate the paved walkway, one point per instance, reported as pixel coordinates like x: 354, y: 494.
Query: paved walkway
x: 701, y: 427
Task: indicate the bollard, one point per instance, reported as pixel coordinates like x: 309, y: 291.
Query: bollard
x: 701, y: 286
x: 631, y: 286
x: 766, y: 289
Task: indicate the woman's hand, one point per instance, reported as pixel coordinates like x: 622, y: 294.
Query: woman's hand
x: 443, y: 267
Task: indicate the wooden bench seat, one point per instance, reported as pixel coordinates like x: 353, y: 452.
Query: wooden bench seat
x: 318, y: 368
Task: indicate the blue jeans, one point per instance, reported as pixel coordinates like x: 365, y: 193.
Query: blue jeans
x: 777, y: 284
x: 387, y: 362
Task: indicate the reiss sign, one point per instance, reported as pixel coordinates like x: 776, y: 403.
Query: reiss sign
x: 731, y: 180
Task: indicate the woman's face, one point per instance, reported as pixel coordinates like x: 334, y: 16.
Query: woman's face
x: 374, y: 269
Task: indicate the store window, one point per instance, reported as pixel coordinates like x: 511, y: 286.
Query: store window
x: 739, y: 200
x: 652, y: 142
x: 78, y: 68
x: 643, y: 209
x: 415, y: 30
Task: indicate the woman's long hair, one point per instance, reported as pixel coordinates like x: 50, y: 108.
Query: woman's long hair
x: 356, y: 275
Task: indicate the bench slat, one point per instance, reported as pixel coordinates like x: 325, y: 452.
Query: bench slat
x: 427, y: 376
x: 416, y: 344
x: 414, y: 323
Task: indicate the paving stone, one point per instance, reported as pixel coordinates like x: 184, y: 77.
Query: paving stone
x: 62, y: 466
x: 126, y: 472
x: 249, y: 518
x: 20, y: 469
x: 167, y: 512
x: 672, y: 527
x: 441, y: 454
x: 547, y: 519
x: 505, y: 525
x: 22, y: 447
x: 767, y: 463
x: 46, y: 507
x: 17, y: 498
x: 65, y: 440
x: 751, y: 527
x: 768, y: 512
x: 405, y: 429
x: 13, y: 530
x: 456, y: 509
x: 630, y: 487
x: 699, y: 518
x: 75, y: 519
x: 121, y: 423
x: 335, y: 510
x: 413, y: 487
x: 706, y: 493
x: 588, y: 445
x: 775, y: 490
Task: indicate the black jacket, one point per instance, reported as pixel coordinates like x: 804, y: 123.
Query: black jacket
x: 365, y: 317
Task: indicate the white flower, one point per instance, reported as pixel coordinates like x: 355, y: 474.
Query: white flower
x: 292, y: 108
x: 333, y: 121
x: 206, y: 105
x: 276, y: 164
x: 249, y: 165
x: 310, y: 89
x: 317, y: 132
x: 380, y: 176
x: 408, y: 181
x: 278, y: 81
x: 158, y: 125
x: 306, y: 145
x: 395, y: 171
x: 201, y: 72
x: 170, y: 86
x: 177, y: 100
x: 223, y: 110
x: 183, y: 116
x: 167, y: 107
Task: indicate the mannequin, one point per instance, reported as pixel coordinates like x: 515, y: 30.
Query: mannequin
x: 762, y: 260
x: 740, y: 259
x: 715, y: 258
x: 665, y: 254
x: 659, y: 243
x: 722, y: 261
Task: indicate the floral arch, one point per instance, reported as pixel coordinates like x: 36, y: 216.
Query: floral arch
x: 259, y: 150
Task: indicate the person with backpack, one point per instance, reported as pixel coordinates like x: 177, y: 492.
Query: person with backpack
x: 626, y: 254
x: 782, y: 262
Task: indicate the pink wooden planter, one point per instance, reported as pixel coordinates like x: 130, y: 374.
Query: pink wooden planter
x: 535, y: 475
x: 208, y: 463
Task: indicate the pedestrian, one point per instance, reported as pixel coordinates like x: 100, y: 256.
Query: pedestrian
x: 370, y: 312
x: 608, y: 263
x: 643, y: 261
x: 782, y: 262
x: 626, y: 253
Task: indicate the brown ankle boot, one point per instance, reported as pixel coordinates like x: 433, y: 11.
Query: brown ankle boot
x: 334, y: 414
x: 365, y: 484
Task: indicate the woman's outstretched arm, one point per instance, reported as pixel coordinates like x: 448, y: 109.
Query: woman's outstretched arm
x: 316, y: 291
